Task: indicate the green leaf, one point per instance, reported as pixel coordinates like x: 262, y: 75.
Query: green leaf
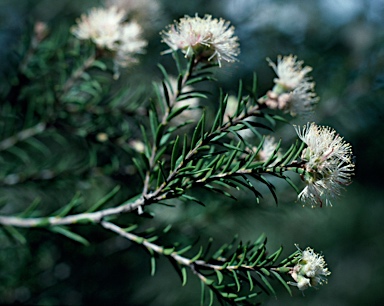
x: 229, y: 295
x: 250, y: 280
x: 197, y: 256
x: 14, y: 234
x: 104, y: 199
x: 238, y: 287
x: 266, y: 282
x: 76, y: 200
x: 282, y: 281
x: 273, y: 257
x: 168, y: 251
x: 131, y: 228
x: 153, y: 265
x: 99, y: 64
x: 140, y: 168
x: 246, y: 297
x: 67, y: 233
x: 183, y: 250
x: 230, y: 160
x: 191, y: 198
x: 210, y: 298
x: 202, y: 293
x: 199, y: 130
x: 174, y: 155
x: 176, y: 111
x: 167, y: 228
x: 191, y: 95
x: 159, y: 134
x: 30, y: 209
x: 184, y: 276
x: 154, y: 123
x: 220, y: 276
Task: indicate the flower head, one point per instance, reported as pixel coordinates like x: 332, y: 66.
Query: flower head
x: 290, y: 72
x: 207, y: 38
x: 327, y: 161
x: 106, y: 28
x: 310, y: 270
x: 101, y: 26
x: 294, y: 90
x: 130, y: 44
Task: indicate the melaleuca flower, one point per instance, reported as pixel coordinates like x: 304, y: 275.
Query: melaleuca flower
x: 206, y: 38
x: 310, y: 270
x: 102, y: 26
x: 294, y: 90
x: 106, y: 28
x: 290, y: 73
x: 130, y: 44
x: 327, y: 162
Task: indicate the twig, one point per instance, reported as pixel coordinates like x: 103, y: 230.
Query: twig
x: 77, y: 74
x: 193, y: 264
x: 22, y: 135
x: 172, y: 101
x: 94, y: 217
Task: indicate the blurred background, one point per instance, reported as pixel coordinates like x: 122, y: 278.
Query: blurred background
x: 343, y: 40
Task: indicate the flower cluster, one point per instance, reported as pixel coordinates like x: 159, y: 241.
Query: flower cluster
x: 106, y: 28
x: 310, y: 270
x: 327, y: 161
x: 294, y: 90
x: 209, y: 39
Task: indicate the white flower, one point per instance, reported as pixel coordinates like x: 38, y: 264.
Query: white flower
x: 208, y: 39
x: 310, y: 270
x: 101, y: 26
x: 107, y: 29
x: 130, y: 43
x: 290, y: 72
x: 294, y: 90
x: 328, y: 164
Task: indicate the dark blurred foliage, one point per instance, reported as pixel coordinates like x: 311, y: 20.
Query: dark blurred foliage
x: 343, y: 40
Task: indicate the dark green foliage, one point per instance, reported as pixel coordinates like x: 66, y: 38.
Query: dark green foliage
x: 82, y: 154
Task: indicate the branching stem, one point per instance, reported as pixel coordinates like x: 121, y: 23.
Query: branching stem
x: 195, y: 265
x: 22, y: 135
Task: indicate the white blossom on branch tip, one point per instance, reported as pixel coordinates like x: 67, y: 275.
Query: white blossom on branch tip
x: 310, y: 271
x: 106, y: 27
x: 290, y: 72
x: 294, y: 90
x: 101, y: 25
x: 327, y: 162
x: 209, y: 39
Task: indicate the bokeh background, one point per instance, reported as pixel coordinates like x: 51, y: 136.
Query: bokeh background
x: 343, y: 40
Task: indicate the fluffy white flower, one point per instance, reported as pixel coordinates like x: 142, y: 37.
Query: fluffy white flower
x: 101, y: 26
x: 207, y: 38
x: 328, y: 164
x: 107, y: 29
x: 131, y: 43
x: 310, y: 271
x: 293, y: 90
